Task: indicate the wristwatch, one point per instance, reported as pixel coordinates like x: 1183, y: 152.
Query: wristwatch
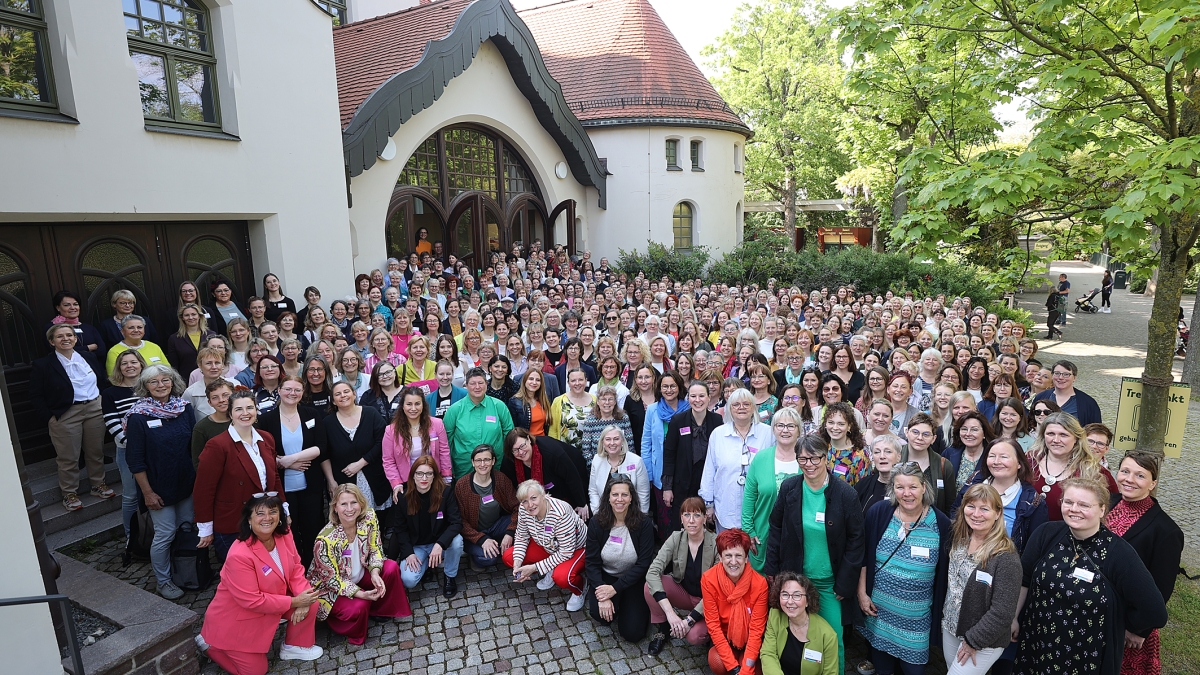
x: 690, y: 622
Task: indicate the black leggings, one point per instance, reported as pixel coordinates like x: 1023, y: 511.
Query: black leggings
x: 630, y: 611
x: 1051, y: 322
x: 1104, y: 298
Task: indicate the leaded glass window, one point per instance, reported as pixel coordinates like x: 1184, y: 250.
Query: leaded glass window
x: 25, y: 73
x: 422, y: 169
x: 516, y: 179
x: 470, y: 162
x: 681, y: 222
x: 170, y: 42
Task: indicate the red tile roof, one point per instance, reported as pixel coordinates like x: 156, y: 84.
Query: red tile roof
x: 367, y: 53
x: 616, y: 59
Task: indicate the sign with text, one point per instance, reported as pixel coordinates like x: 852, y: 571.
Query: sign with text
x: 1129, y: 411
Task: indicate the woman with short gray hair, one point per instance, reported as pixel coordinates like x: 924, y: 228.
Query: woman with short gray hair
x: 158, y: 449
x: 907, y: 555
x: 731, y: 447
x: 133, y: 334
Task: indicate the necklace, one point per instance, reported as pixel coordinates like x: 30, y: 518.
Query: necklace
x: 1051, y: 480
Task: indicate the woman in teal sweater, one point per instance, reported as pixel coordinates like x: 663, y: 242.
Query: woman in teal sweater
x: 797, y: 639
x: 767, y: 471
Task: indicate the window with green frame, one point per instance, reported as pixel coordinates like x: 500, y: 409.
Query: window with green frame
x: 26, y: 80
x: 335, y: 8
x: 672, y: 152
x: 170, y: 42
x: 681, y: 223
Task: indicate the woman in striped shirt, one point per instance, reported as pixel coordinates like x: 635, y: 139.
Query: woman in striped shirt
x: 115, y: 401
x: 550, y: 540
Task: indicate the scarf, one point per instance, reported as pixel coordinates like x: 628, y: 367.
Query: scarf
x: 1125, y: 514
x: 150, y: 407
x: 738, y: 630
x: 666, y: 412
x: 535, y: 464
x: 62, y: 319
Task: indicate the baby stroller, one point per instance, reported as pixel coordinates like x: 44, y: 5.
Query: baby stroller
x: 1085, y: 304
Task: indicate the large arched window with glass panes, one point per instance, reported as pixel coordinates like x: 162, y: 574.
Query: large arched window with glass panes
x: 472, y: 192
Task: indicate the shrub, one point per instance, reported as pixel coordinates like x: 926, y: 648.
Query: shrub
x: 659, y: 261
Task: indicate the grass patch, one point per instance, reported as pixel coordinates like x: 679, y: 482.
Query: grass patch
x: 1180, y: 649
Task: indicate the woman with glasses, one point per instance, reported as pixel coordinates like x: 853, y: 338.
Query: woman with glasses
x: 815, y: 527
x: 767, y: 470
x: 886, y: 451
x: 731, y: 447
x: 549, y: 541
x: 939, y: 472
x: 488, y: 504
x: 797, y: 638
x: 428, y: 527
x: 604, y: 414
x: 550, y: 463
x: 792, y: 369
x: 618, y: 551
x: 902, y: 585
x: 1069, y: 399
x: 673, y: 580
x: 1059, y: 452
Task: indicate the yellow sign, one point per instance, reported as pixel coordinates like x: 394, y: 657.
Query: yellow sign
x: 1129, y: 412
x: 1043, y: 245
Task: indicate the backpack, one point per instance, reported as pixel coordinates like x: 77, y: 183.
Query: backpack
x: 190, y: 566
x: 141, y: 536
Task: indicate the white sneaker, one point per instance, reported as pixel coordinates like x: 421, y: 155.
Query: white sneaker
x: 289, y: 653
x: 575, y: 603
x: 545, y: 583
x: 201, y: 645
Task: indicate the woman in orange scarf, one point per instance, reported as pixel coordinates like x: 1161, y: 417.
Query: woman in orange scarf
x: 735, y: 606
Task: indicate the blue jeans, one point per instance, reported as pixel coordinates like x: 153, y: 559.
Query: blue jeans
x: 495, y: 532
x: 129, y: 491
x: 166, y: 521
x: 221, y: 544
x: 450, y: 558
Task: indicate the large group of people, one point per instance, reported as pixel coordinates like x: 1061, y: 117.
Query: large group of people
x: 758, y: 469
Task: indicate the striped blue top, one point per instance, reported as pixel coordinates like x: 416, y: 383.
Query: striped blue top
x: 903, y: 593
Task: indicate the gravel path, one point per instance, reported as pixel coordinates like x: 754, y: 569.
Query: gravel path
x: 1107, y: 347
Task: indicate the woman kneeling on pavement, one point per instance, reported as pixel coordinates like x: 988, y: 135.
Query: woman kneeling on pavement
x: 620, y: 546
x: 427, y: 527
x: 262, y: 582
x: 735, y: 601
x: 688, y: 553
x: 488, y: 504
x: 352, y: 578
x: 797, y: 639
x: 550, y: 540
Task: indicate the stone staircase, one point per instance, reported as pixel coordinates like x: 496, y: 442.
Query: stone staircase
x: 99, y: 519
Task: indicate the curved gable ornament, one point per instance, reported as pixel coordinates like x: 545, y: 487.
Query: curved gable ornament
x: 409, y: 92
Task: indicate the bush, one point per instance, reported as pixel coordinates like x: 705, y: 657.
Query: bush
x: 659, y: 261
x: 1138, y: 283
x: 1000, y: 309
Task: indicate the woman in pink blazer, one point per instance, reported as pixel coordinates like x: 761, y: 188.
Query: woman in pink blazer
x: 262, y: 582
x: 412, y: 434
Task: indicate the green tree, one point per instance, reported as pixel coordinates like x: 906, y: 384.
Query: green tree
x: 1115, y: 89
x: 779, y: 69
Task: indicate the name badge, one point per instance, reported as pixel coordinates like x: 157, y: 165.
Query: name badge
x: 154, y: 424
x: 745, y: 460
x: 685, y: 431
x: 488, y: 499
x: 631, y: 467
x: 941, y: 484
x: 281, y: 305
x: 155, y: 359
x: 433, y: 437
x: 764, y: 415
x: 439, y: 515
x: 490, y: 418
x: 347, y: 553
x: 920, y: 552
x: 820, y: 516
x: 1084, y: 575
x: 549, y: 486
x: 752, y: 450
x: 983, y: 577
x: 266, y: 570
x: 841, y: 470
x: 207, y: 315
x: 616, y: 540
x: 310, y: 424
x: 812, y: 655
x: 549, y: 529
x: 78, y: 331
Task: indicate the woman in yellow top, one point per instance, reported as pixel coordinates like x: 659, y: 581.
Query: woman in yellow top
x: 133, y: 332
x: 797, y: 640
x: 419, y: 366
x: 570, y: 409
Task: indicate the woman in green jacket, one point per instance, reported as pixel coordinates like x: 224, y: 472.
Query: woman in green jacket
x: 797, y: 639
x: 767, y: 471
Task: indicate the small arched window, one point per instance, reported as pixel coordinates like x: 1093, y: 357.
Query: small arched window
x: 681, y: 223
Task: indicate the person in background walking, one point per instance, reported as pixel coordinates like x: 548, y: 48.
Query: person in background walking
x: 1106, y: 288
x: 1063, y: 290
x: 1052, y: 316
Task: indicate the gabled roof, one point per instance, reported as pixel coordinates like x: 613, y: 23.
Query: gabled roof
x: 618, y: 63
x: 392, y: 67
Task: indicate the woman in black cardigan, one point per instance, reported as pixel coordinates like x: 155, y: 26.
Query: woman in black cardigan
x: 306, y: 506
x: 548, y: 462
x: 1138, y: 519
x: 351, y: 442
x: 428, y: 527
x: 619, y: 550
x: 687, y: 433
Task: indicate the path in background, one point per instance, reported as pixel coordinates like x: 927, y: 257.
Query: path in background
x: 1107, y: 347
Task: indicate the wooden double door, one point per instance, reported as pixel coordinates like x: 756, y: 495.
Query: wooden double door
x: 94, y: 260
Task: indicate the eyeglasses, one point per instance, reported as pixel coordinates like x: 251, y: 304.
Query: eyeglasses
x: 260, y: 495
x: 423, y: 474
x: 1097, y: 444
x: 1060, y: 373
x: 788, y: 426
x: 791, y: 399
x: 792, y: 596
x: 921, y: 434
x: 809, y: 461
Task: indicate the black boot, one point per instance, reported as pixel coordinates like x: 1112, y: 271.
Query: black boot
x: 450, y: 588
x: 659, y: 640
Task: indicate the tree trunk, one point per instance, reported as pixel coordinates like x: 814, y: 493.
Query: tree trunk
x: 904, y: 131
x: 789, y: 211
x: 1160, y: 344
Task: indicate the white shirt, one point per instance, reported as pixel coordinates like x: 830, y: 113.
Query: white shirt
x: 206, y: 529
x: 81, y: 375
x: 728, y: 459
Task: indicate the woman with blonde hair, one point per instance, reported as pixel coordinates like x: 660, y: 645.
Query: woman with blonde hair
x: 421, y: 365
x: 472, y: 340
x: 1059, y: 452
x: 530, y: 406
x: 636, y: 354
x: 382, y: 350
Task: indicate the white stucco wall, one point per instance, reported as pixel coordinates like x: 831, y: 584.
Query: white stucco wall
x: 278, y: 94
x: 483, y: 94
x: 642, y: 193
x: 358, y: 10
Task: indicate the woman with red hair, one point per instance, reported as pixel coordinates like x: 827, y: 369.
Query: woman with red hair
x: 735, y: 606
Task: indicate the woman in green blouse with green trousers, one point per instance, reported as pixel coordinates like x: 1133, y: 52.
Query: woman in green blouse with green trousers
x: 767, y: 471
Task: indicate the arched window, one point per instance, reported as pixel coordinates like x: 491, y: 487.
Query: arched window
x: 681, y: 223
x: 170, y: 42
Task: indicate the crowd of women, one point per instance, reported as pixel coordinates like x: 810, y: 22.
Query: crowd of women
x: 759, y: 470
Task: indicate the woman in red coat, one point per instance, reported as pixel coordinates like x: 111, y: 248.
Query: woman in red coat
x: 233, y: 466
x: 262, y: 582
